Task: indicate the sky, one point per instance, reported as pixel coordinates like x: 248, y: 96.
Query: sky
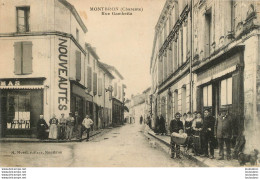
x: 123, y: 41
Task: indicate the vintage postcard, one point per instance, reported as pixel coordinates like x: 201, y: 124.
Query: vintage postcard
x: 129, y: 83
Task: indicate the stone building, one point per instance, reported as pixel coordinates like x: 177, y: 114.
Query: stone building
x: 222, y: 69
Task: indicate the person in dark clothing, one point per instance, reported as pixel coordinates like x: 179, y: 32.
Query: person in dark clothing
x: 175, y: 126
x: 223, y: 132
x: 162, y: 125
x: 41, y: 128
x: 141, y: 119
x: 197, y: 125
x: 78, y: 126
x: 208, y: 134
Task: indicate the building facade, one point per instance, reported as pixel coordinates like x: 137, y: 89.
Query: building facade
x: 48, y: 68
x: 222, y: 62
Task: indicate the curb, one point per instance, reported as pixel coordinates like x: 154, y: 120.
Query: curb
x: 190, y: 157
x: 45, y: 141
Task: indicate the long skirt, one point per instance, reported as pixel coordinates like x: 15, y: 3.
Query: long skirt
x: 53, y: 134
x: 197, y: 144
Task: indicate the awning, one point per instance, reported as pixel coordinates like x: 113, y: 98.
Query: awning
x: 126, y: 109
x: 23, y: 87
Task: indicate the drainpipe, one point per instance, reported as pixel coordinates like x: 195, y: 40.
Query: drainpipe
x: 191, y: 57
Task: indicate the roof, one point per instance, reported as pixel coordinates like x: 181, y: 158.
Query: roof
x: 104, y: 68
x: 91, y: 50
x: 147, y: 90
x: 75, y: 14
x: 112, y: 68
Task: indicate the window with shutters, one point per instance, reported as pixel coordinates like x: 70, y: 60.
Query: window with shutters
x: 115, y: 89
x: 22, y: 15
x: 207, y: 96
x: 89, y: 78
x: 22, y: 58
x: 94, y: 83
x: 226, y: 92
x: 78, y: 65
x: 100, y: 89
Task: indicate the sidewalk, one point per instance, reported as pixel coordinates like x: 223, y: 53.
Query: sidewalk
x: 202, y: 161
x: 35, y: 140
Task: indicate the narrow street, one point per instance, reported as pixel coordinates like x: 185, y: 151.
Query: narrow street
x: 124, y: 146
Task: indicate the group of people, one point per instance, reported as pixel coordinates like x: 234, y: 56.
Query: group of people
x: 204, y: 134
x: 63, y: 127
x: 148, y: 121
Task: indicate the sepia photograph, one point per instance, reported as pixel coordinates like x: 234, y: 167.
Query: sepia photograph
x: 130, y: 83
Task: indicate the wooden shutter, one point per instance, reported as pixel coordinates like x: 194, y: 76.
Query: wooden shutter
x: 119, y: 92
x: 18, y: 58
x: 115, y: 89
x: 100, y: 89
x: 89, y: 79
x: 94, y: 83
x: 27, y: 57
x: 78, y: 66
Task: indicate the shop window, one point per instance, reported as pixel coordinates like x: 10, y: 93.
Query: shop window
x: 78, y: 66
x: 18, y: 111
x: 22, y: 58
x: 207, y: 96
x: 23, y: 15
x: 94, y: 83
x: 226, y: 92
x: 89, y: 79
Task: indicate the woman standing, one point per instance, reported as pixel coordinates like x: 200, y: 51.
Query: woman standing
x: 197, y: 125
x: 188, y: 123
x: 53, y: 134
x: 41, y: 127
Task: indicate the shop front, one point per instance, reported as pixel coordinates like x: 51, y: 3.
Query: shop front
x: 21, y: 104
x: 220, y: 86
x: 117, y: 111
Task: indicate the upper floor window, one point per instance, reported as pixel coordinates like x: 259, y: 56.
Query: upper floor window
x: 23, y: 15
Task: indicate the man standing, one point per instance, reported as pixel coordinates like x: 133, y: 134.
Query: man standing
x: 208, y: 134
x: 70, y: 126
x: 77, y: 125
x: 223, y: 133
x: 175, y: 126
x: 87, y: 123
x: 141, y: 119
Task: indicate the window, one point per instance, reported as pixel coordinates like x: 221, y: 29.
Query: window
x: 100, y: 88
x: 23, y: 14
x: 88, y: 57
x: 22, y: 58
x: 115, y: 89
x: 89, y: 78
x: 78, y: 66
x: 94, y: 83
x: 119, y: 92
x: 208, y: 32
x: 94, y: 63
x: 226, y: 92
x: 77, y: 35
x: 207, y: 96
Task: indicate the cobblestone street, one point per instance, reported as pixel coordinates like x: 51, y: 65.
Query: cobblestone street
x: 124, y: 146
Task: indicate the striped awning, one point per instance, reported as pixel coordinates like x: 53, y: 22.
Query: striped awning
x: 23, y: 87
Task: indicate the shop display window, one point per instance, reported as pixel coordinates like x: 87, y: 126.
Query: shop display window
x: 18, y: 111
